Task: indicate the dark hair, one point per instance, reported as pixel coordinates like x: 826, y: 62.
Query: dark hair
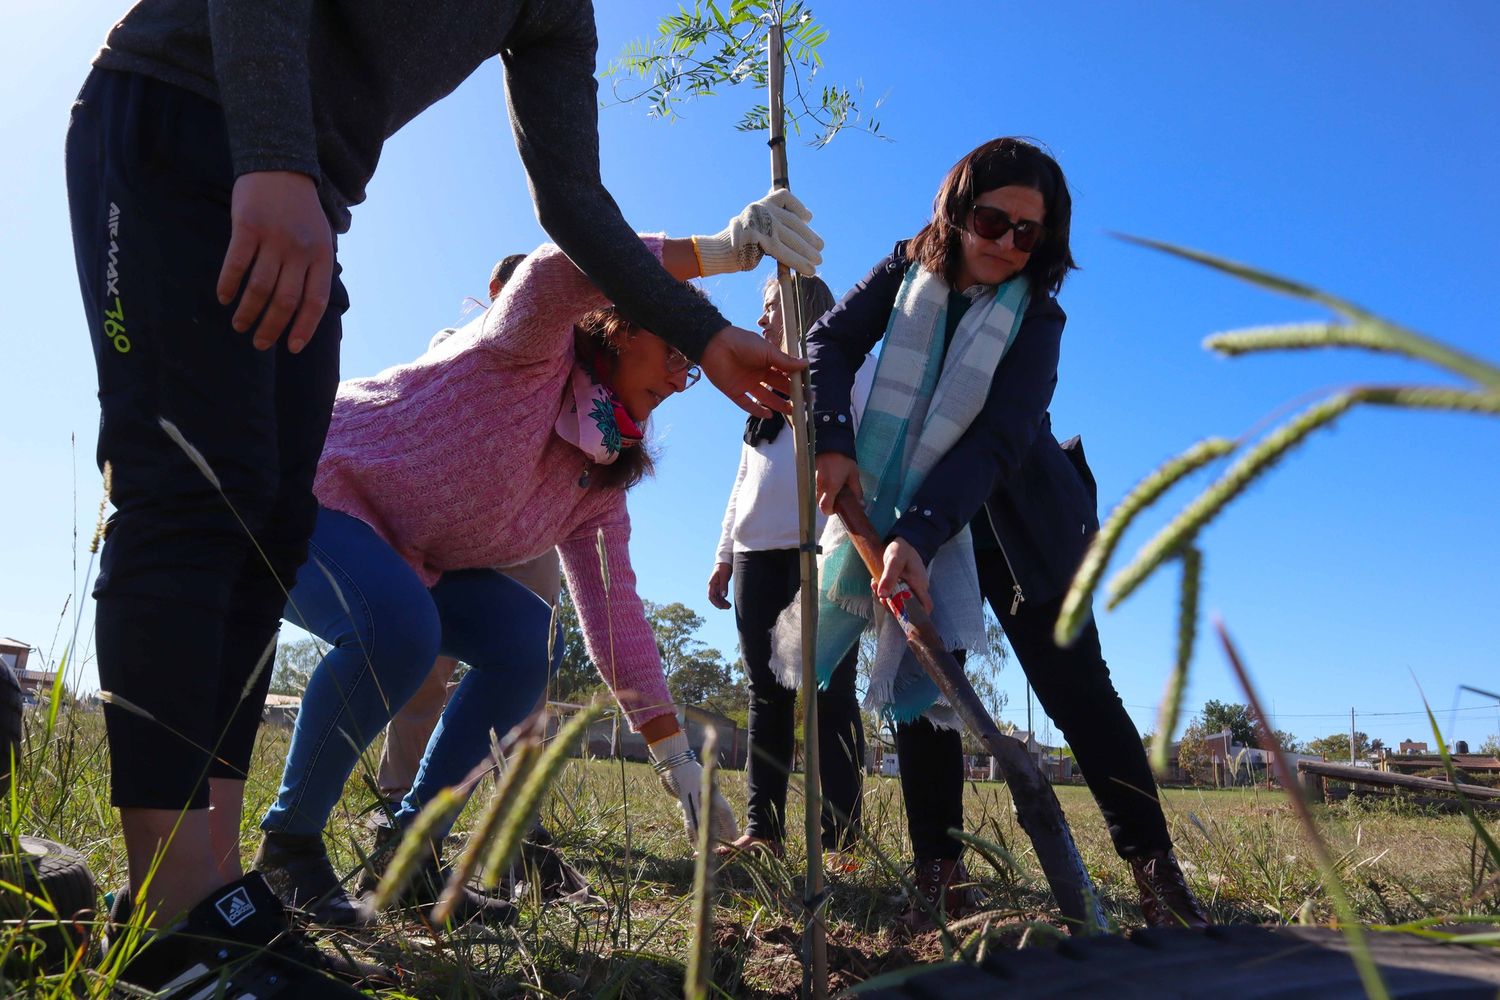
x: 503, y: 269
x: 996, y: 164
x: 599, y: 333
x: 602, y: 332
x: 813, y: 294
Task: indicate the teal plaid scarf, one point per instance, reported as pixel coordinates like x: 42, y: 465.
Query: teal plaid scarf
x: 919, y: 406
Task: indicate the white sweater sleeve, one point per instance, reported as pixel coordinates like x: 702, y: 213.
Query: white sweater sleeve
x: 726, y: 533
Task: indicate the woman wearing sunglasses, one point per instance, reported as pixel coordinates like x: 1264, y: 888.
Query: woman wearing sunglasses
x: 956, y: 464
x: 520, y: 432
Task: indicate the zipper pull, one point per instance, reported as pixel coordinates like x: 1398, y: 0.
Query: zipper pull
x: 1015, y: 603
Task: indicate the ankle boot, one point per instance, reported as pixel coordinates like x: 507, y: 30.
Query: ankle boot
x: 298, y: 870
x: 1166, y: 900
x: 426, y: 886
x: 940, y: 883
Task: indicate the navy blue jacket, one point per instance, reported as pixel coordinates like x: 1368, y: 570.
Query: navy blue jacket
x: 1008, y: 467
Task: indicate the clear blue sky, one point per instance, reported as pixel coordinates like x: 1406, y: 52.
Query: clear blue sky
x: 1352, y: 146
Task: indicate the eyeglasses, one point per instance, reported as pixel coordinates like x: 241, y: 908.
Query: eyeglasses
x: 992, y: 223
x: 678, y: 362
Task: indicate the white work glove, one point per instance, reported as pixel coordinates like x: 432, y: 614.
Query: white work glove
x: 775, y: 225
x: 682, y: 775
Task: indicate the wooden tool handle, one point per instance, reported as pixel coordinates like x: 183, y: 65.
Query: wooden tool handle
x: 861, y: 532
x: 1037, y: 808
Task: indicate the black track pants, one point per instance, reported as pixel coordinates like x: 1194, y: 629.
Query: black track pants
x: 192, y: 577
x: 765, y: 582
x: 1075, y: 690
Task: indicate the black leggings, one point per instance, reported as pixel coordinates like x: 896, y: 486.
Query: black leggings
x: 1074, y: 689
x: 765, y: 582
x: 188, y: 607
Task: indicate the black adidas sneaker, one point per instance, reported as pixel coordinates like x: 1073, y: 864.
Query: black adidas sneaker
x: 235, y: 944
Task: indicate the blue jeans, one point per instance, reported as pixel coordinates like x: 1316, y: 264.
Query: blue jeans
x: 384, y: 629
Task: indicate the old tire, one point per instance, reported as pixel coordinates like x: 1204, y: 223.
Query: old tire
x: 10, y: 724
x: 1247, y: 962
x: 54, y: 873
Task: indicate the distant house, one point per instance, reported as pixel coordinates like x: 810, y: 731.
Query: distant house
x: 1232, y: 763
x: 13, y: 653
x: 1409, y: 746
x: 1051, y: 761
x: 611, y: 736
x: 734, y: 743
x: 282, y: 709
x: 36, y: 685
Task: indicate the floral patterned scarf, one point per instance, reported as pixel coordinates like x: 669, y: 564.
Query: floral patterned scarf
x: 594, y: 421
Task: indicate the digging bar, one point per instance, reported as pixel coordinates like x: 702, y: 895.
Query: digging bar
x: 1037, y: 808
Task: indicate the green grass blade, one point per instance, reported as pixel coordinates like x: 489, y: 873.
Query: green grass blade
x: 1253, y: 464
x: 528, y: 799
x: 416, y: 845
x: 1079, y: 600
x: 1254, y: 276
x: 1480, y: 830
x: 1396, y: 338
x: 1187, y: 633
x: 1354, y: 931
x: 1421, y: 397
x: 522, y: 760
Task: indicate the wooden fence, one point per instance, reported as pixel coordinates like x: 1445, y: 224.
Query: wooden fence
x: 1316, y: 775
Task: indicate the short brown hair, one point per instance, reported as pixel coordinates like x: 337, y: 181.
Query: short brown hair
x: 503, y: 269
x: 999, y: 163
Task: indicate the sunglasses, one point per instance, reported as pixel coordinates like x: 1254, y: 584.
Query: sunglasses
x: 678, y: 362
x: 992, y: 223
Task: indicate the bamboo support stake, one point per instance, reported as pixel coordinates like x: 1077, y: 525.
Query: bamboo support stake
x: 700, y: 960
x: 794, y: 331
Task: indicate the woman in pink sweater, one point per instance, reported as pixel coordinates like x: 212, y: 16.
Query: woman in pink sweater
x: 520, y: 432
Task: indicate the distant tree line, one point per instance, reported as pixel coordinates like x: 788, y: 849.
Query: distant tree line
x: 1195, y: 752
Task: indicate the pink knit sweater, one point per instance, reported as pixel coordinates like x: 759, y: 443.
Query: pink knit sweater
x: 453, y: 460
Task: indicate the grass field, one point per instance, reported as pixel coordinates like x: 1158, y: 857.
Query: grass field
x: 1243, y: 850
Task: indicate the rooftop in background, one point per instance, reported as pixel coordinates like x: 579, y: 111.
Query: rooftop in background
x: 13, y: 653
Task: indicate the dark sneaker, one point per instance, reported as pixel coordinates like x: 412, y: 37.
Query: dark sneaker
x: 235, y: 944
x: 1166, y: 900
x: 943, y: 885
x: 426, y: 887
x: 380, y: 816
x: 541, y: 871
x: 298, y: 870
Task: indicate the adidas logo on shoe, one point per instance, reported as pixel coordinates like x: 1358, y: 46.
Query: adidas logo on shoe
x: 237, y: 944
x: 235, y: 907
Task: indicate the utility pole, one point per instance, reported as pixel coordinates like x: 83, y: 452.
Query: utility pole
x: 1351, y: 734
x: 1029, y: 730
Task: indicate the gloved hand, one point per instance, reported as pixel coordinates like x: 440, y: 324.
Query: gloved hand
x: 775, y: 225
x: 682, y: 775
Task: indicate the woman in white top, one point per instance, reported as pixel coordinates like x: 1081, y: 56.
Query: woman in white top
x: 758, y: 551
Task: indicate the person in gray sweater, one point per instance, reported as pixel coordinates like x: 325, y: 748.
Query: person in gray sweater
x: 213, y: 154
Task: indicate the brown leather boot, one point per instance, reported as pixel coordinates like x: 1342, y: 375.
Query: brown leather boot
x: 1166, y: 899
x: 941, y: 883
